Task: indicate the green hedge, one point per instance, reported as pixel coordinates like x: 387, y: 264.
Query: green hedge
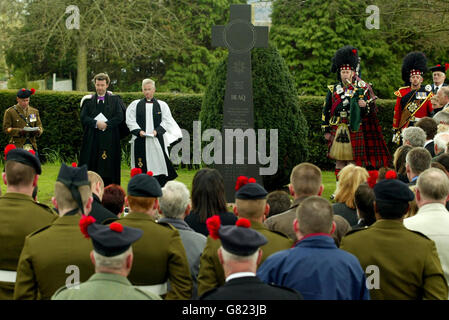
x: 63, y: 133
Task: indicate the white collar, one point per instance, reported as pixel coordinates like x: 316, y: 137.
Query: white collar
x: 427, y: 142
x: 240, y: 275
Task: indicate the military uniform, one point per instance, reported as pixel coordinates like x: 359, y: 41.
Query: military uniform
x: 159, y: 256
x: 409, y: 267
x: 46, y: 256
x: 19, y: 216
x: 211, y: 273
x: 417, y: 103
x: 105, y: 286
x: 15, y: 119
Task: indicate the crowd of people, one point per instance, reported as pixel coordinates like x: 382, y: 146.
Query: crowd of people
x: 385, y: 237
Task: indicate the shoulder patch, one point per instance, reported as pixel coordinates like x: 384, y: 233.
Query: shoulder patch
x: 355, y: 230
x: 38, y: 230
x: 421, y: 234
x: 166, y: 224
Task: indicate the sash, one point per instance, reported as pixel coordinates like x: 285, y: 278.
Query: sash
x: 410, y: 109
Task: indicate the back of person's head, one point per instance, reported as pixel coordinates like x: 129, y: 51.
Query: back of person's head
x: 306, y: 179
x: 94, y: 179
x: 399, y: 158
x: 429, y: 125
x: 19, y: 174
x: 117, y: 262
x: 65, y: 199
x: 342, y: 227
x: 314, y: 215
x: 392, y: 198
x: 441, y: 140
x: 208, y: 193
x: 441, y: 117
x: 349, y: 179
x: 364, y: 202
x: 114, y: 198
x: 418, y: 159
x: 444, y: 160
x: 175, y: 199
x: 251, y: 209
x: 414, y: 136
x: 433, y: 185
x: 438, y: 165
x: 279, y: 201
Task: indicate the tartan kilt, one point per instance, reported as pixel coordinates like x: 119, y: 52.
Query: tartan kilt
x: 368, y: 145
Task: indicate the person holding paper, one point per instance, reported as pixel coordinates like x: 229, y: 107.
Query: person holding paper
x: 153, y: 129
x: 22, y: 123
x: 101, y: 117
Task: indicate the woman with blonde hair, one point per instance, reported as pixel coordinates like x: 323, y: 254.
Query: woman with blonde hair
x: 350, y: 177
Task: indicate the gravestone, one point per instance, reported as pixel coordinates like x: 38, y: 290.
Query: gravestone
x: 239, y: 36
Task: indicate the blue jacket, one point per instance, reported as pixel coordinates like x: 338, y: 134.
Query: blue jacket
x: 317, y: 269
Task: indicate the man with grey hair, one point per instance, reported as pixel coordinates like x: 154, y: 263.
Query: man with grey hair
x: 112, y: 257
x: 414, y: 136
x: 443, y: 97
x: 442, y: 120
x: 315, y: 266
x: 417, y: 161
x: 441, y: 141
x: 432, y: 219
x: 153, y: 130
x: 174, y: 207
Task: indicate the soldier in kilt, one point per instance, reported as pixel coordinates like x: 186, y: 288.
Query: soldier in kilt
x: 349, y: 119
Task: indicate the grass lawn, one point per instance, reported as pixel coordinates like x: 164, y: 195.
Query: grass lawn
x: 50, y: 172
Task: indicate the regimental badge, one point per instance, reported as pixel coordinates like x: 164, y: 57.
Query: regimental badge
x: 33, y: 117
x: 28, y: 146
x: 412, y: 107
x: 339, y: 89
x: 104, y: 156
x: 421, y: 95
x: 428, y: 88
x: 140, y: 164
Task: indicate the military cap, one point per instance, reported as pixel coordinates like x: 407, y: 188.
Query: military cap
x: 109, y: 240
x: 25, y: 157
x: 393, y: 190
x: 248, y: 189
x: 439, y: 67
x: 25, y: 93
x: 346, y: 58
x: 73, y: 178
x: 238, y: 239
x: 414, y: 63
x: 144, y: 185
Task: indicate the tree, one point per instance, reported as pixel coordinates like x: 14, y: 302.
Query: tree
x: 125, y: 29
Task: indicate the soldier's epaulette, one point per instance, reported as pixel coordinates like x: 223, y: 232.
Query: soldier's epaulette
x: 398, y: 93
x: 47, y: 208
x: 166, y: 224
x: 280, y: 233
x: 355, y: 230
x: 331, y: 88
x: 39, y: 230
x: 421, y: 234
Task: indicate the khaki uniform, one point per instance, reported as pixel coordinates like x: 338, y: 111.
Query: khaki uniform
x: 159, y: 256
x: 19, y: 216
x: 13, y: 123
x: 104, y: 286
x: 211, y: 273
x: 46, y: 256
x: 408, y: 263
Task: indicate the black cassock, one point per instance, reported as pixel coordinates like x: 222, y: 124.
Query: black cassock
x: 101, y: 150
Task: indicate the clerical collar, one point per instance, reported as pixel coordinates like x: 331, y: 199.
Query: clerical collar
x: 240, y: 275
x: 149, y: 101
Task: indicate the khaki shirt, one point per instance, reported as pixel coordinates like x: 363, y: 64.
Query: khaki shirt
x: 13, y: 123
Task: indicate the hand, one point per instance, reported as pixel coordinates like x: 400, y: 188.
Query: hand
x: 142, y: 133
x: 362, y: 103
x: 154, y: 132
x: 101, y: 125
x: 327, y: 136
